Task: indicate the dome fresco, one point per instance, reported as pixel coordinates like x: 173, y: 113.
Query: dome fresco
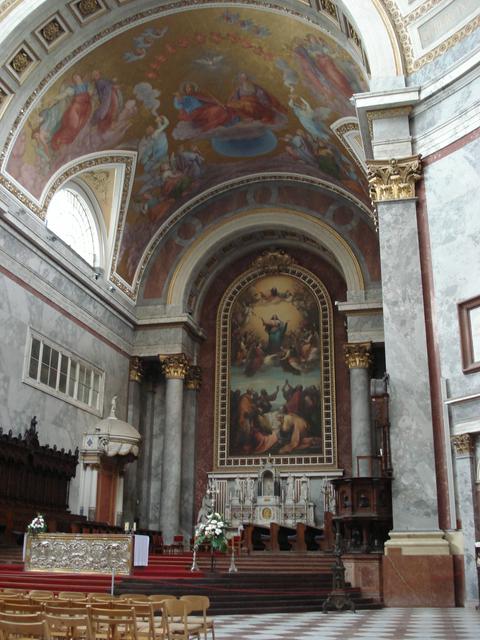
x: 201, y: 97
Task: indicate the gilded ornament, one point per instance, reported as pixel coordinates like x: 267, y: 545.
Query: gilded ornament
x: 21, y: 61
x: 193, y: 379
x: 88, y: 7
x: 273, y: 261
x: 358, y: 355
x: 175, y: 367
x: 136, y: 370
x: 51, y: 31
x: 463, y: 444
x: 329, y: 7
x: 3, y: 96
x: 393, y: 179
x: 353, y: 35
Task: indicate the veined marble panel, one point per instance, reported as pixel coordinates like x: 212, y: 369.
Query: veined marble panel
x: 452, y: 187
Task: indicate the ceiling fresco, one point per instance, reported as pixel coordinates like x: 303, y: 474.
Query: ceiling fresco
x: 202, y: 97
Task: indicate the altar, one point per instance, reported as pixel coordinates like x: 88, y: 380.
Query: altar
x: 270, y: 498
x: 85, y: 553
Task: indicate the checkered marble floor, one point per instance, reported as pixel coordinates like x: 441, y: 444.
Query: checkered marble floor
x: 382, y: 624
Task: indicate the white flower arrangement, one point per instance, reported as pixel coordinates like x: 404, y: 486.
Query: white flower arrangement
x: 37, y: 525
x: 212, y: 532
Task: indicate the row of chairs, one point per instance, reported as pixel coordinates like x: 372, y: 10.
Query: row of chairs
x: 105, y: 617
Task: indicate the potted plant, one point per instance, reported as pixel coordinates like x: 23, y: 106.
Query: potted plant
x: 212, y: 532
x: 37, y: 525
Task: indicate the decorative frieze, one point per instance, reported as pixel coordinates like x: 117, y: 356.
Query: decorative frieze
x: 393, y: 179
x: 463, y: 444
x: 136, y: 370
x: 193, y: 379
x: 175, y: 366
x: 358, y: 355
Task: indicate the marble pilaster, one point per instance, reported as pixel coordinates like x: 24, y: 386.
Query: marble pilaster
x: 465, y: 476
x: 192, y: 386
x: 175, y: 369
x: 414, y: 491
x: 358, y: 359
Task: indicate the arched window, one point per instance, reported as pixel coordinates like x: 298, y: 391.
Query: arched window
x: 71, y: 218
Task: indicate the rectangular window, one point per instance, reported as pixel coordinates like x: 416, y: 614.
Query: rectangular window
x: 52, y: 369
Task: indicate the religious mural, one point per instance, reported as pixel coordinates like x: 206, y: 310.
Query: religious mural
x: 275, y: 377
x: 230, y: 93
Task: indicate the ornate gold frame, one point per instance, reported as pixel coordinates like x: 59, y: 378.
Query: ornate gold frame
x: 275, y: 263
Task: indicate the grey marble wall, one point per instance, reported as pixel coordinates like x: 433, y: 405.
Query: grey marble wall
x: 452, y: 187
x: 59, y: 422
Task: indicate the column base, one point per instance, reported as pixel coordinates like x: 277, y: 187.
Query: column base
x: 418, y: 570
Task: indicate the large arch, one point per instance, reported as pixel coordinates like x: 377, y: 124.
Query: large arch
x: 220, y: 234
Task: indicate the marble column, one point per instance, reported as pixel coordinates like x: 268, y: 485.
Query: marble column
x: 193, y: 382
x: 92, y: 480
x: 465, y: 476
x: 130, y: 508
x: 358, y: 359
x: 119, y: 499
x: 175, y: 369
x: 156, y: 458
x: 145, y: 461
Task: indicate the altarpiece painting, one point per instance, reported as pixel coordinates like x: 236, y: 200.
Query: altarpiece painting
x: 275, y: 368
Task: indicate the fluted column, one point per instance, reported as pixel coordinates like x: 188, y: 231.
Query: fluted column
x: 465, y: 473
x: 133, y: 417
x: 193, y: 383
x: 358, y: 359
x: 175, y: 369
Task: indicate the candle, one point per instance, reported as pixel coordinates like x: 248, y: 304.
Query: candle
x: 134, y: 526
x: 126, y: 526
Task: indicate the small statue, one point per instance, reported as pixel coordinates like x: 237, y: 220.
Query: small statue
x: 304, y: 489
x: 290, y: 491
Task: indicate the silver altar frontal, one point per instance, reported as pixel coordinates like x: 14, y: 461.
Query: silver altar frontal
x: 72, y: 553
x: 270, y: 498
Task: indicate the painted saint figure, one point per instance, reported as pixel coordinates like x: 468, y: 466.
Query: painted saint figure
x: 153, y: 147
x: 251, y: 102
x: 276, y: 329
x: 201, y: 109
x: 110, y: 99
x: 76, y: 115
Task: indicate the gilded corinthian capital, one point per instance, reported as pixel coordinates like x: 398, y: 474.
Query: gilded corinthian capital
x: 193, y: 379
x: 358, y: 354
x: 463, y: 444
x: 175, y: 366
x: 393, y: 179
